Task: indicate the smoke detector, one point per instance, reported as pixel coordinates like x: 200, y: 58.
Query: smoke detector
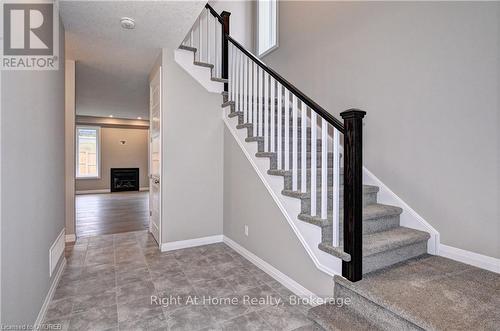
x: 127, y: 23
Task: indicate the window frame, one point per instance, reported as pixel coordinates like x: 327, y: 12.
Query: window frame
x: 276, y: 44
x: 98, y: 151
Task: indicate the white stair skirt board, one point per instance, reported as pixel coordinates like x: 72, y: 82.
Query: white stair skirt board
x: 308, y: 234
x: 283, y: 279
x: 70, y: 238
x: 106, y: 190
x: 201, y: 74
x: 409, y: 218
x: 468, y: 257
x: 174, y: 245
x: 41, y: 315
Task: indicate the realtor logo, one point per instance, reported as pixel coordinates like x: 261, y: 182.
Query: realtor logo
x: 30, y: 36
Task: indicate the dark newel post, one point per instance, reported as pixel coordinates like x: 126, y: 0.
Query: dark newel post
x: 353, y: 193
x: 225, y: 47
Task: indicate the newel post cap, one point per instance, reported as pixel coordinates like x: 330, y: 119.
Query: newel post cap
x: 353, y: 113
x: 225, y: 13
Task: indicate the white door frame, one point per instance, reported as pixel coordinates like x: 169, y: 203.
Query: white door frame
x: 158, y: 74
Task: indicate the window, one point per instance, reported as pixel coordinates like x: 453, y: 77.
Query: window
x: 87, y: 152
x: 267, y: 35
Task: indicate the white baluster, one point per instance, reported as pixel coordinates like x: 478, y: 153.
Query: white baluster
x: 314, y: 187
x: 240, y: 83
x: 249, y: 91
x: 200, y: 38
x: 216, y: 49
x: 261, y: 121
x: 336, y: 187
x: 273, y: 110
x: 233, y: 67
x: 237, y: 82
x: 324, y: 167
x: 303, y: 148
x: 191, y: 37
x: 255, y: 94
x: 230, y: 73
x: 280, y: 132
x: 234, y: 75
x: 208, y: 36
x: 266, y: 112
x: 287, y: 130
x: 245, y: 82
x: 294, y: 143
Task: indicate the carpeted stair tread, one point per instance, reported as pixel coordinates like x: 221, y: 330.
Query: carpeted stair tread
x: 188, y: 48
x: 227, y: 103
x: 391, y: 239
x: 333, y: 317
x: 220, y: 80
x: 383, y: 241
x: 203, y: 64
x: 371, y: 212
x: 307, y: 195
x: 235, y: 113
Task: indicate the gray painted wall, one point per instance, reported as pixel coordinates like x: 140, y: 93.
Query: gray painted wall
x: 427, y: 74
x: 32, y: 171
x: 192, y: 156
x: 270, y: 237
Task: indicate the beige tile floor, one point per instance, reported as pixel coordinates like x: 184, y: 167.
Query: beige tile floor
x: 111, y: 282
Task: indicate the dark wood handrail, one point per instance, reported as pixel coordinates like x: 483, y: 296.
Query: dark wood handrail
x: 299, y: 94
x: 214, y: 13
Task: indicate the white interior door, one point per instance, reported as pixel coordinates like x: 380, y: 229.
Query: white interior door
x: 155, y: 156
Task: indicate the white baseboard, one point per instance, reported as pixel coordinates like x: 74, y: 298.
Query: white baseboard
x: 50, y: 294
x: 286, y: 281
x: 106, y: 190
x: 70, y: 238
x: 143, y: 189
x: 468, y: 257
x: 174, y: 245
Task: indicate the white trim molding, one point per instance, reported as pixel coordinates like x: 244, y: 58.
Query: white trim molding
x: 106, y: 190
x: 43, y: 310
x: 144, y: 189
x: 409, y: 218
x: 70, y: 238
x: 175, y: 245
x: 468, y: 257
x: 283, y: 279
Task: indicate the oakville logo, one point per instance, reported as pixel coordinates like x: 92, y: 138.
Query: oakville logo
x: 30, y: 40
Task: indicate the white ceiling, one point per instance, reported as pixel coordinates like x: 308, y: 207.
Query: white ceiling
x: 112, y: 63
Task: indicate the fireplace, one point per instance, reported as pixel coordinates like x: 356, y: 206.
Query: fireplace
x: 124, y: 179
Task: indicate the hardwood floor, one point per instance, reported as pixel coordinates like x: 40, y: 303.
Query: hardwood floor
x: 109, y: 213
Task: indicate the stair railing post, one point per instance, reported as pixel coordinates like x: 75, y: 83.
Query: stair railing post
x: 353, y: 193
x: 225, y: 46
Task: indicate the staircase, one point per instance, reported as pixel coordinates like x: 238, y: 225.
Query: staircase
x: 385, y: 242
x: 320, y: 170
